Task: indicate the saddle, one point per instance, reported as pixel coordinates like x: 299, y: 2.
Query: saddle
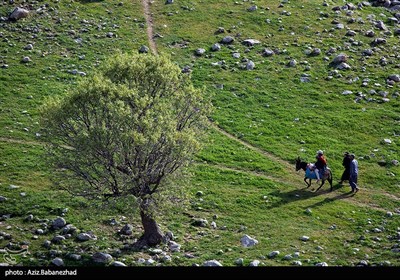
x: 311, y: 173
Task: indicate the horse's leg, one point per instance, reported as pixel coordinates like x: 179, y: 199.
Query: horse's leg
x: 308, y: 184
x: 323, y: 182
x: 330, y: 182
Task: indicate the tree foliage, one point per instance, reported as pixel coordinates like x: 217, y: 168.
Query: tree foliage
x: 125, y: 129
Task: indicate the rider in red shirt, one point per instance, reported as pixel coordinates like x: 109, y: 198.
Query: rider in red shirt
x: 320, y: 164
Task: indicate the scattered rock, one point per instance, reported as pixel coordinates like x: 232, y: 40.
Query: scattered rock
x: 173, y: 246
x: 47, y: 244
x: 248, y: 241
x: 304, y: 238
x: 28, y: 47
x: 58, y: 223
x: 68, y: 229
x: 268, y: 52
x: 26, y: 59
x: 200, y: 223
x: 74, y: 257
x: 155, y: 251
x: 250, y: 42
x: 254, y: 263
x: 363, y: 263
x: 144, y: 49
x: 18, y: 13
x: 126, y: 230
x: 117, y: 263
x: 29, y: 218
x: 387, y: 141
x: 58, y: 239
x: 166, y: 259
x: 149, y: 261
x: 84, y: 236
x: 58, y: 262
x: 216, y: 47
x: 239, y: 262
x: 297, y: 263
x: 102, y: 258
x: 199, y: 193
x: 250, y: 65
x: 273, y: 254
x: 212, y: 263
x: 200, y: 52
x: 227, y: 40
x: 288, y: 257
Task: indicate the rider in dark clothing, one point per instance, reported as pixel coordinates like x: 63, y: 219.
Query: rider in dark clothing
x: 346, y: 163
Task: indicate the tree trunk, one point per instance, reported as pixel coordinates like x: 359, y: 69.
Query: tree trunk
x: 152, y: 234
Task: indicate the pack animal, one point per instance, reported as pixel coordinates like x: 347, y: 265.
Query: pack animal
x: 309, y: 173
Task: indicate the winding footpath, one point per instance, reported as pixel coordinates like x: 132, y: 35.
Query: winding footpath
x: 149, y: 23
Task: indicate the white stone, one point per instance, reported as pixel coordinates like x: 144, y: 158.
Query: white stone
x: 304, y: 238
x: 149, y: 262
x: 83, y: 237
x: 254, y: 263
x: 297, y: 263
x: 248, y: 241
x: 174, y: 247
x: 58, y: 262
x: 212, y: 263
x: 117, y: 263
x: 387, y: 141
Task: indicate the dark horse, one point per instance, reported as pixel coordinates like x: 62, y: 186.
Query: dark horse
x: 304, y: 165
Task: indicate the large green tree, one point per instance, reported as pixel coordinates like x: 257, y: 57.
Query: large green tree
x: 125, y: 130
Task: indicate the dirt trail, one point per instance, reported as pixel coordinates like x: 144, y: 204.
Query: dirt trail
x: 17, y: 141
x: 149, y: 23
x: 290, y: 167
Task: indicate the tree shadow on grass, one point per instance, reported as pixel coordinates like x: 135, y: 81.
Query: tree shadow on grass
x: 280, y: 198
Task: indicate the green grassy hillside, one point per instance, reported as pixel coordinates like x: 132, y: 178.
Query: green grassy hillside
x: 293, y: 103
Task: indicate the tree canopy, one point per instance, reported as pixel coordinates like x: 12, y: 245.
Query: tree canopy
x: 126, y: 128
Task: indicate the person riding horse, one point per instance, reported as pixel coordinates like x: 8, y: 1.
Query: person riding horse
x: 320, y: 165
x: 310, y: 173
